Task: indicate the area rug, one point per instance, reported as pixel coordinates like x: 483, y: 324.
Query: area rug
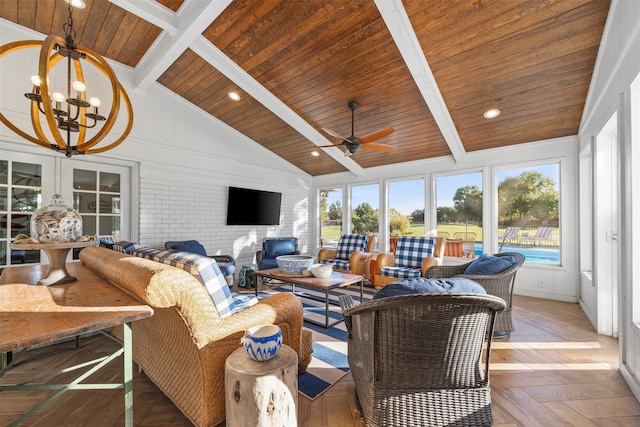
x: 329, y: 360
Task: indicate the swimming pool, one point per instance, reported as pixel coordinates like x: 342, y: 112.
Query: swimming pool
x: 539, y: 255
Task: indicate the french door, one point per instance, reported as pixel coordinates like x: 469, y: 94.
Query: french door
x: 99, y: 191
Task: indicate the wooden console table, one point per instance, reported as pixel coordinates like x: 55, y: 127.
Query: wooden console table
x: 31, y: 315
x: 57, y: 254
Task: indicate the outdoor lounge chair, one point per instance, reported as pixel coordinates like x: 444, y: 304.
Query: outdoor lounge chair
x: 417, y: 360
x: 510, y: 235
x: 543, y: 235
x: 468, y: 239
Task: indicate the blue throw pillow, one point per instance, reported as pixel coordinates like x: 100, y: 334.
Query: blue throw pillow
x: 125, y: 247
x: 487, y: 265
x: 277, y: 247
x: 422, y: 285
x: 192, y: 246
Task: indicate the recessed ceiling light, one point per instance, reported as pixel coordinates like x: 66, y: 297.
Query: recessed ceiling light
x: 315, y: 153
x: 491, y: 114
x: 234, y: 96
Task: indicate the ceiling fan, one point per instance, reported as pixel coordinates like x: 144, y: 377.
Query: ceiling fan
x: 366, y: 142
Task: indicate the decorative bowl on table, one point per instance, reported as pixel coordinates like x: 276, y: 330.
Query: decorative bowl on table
x: 294, y: 264
x: 321, y: 270
x: 262, y: 342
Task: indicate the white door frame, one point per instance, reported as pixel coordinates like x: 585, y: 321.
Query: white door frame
x: 606, y: 223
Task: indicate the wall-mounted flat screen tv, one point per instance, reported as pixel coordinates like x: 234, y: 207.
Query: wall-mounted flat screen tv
x: 253, y: 207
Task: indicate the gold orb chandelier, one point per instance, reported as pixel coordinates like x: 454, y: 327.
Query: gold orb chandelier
x: 68, y: 115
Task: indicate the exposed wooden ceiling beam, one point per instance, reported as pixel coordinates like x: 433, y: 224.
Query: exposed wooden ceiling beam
x: 152, y: 12
x: 210, y: 53
x: 397, y: 21
x: 192, y: 19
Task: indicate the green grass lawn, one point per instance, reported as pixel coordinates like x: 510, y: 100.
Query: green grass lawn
x: 333, y: 232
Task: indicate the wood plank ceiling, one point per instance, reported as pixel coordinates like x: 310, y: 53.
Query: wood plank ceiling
x: 427, y: 69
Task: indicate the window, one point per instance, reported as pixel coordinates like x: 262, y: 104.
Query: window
x: 459, y: 213
x: 365, y: 201
x: 528, y: 212
x: 330, y: 215
x: 406, y: 208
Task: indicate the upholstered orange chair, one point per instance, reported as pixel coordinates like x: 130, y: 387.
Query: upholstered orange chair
x: 413, y: 257
x: 350, y: 254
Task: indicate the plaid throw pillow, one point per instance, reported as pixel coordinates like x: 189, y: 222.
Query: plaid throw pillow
x: 411, y: 251
x: 350, y: 243
x: 400, y: 272
x: 125, y: 247
x: 205, y: 269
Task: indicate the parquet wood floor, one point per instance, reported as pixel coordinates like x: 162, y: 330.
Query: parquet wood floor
x: 553, y: 371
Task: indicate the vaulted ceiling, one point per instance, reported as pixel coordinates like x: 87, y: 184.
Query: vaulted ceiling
x: 428, y: 69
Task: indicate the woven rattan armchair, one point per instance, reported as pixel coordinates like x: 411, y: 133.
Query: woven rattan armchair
x: 417, y: 360
x: 500, y: 285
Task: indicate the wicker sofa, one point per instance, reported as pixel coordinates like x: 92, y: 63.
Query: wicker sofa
x: 183, y: 347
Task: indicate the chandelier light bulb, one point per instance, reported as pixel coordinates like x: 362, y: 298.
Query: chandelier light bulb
x: 35, y: 79
x: 79, y: 86
x: 58, y: 97
x: 95, y: 102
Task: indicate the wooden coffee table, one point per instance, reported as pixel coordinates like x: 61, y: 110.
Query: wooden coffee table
x: 337, y: 280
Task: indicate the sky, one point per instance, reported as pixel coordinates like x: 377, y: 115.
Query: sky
x: 407, y: 196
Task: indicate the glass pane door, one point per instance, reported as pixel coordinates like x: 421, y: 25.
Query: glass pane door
x: 26, y: 182
x: 100, y: 193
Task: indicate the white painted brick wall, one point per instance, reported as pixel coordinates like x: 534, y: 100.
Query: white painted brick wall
x: 179, y: 206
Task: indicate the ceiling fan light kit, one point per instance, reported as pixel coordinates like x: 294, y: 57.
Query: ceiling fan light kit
x: 366, y: 142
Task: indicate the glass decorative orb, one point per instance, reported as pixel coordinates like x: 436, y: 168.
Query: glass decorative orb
x: 56, y: 223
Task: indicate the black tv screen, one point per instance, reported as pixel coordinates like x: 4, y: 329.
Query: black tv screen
x: 253, y: 207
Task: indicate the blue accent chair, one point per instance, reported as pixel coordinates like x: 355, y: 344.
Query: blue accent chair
x: 273, y: 247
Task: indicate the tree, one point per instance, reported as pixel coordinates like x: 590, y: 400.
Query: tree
x: 398, y: 224
x: 446, y: 214
x: 335, y: 211
x: 468, y: 203
x: 529, y: 196
x: 324, y: 214
x: 365, y: 219
x: 417, y: 216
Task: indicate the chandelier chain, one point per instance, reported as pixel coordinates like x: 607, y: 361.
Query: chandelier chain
x: 69, y: 31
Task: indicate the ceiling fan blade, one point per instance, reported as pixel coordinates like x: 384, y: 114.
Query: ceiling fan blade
x: 375, y: 146
x: 373, y: 136
x: 334, y: 134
